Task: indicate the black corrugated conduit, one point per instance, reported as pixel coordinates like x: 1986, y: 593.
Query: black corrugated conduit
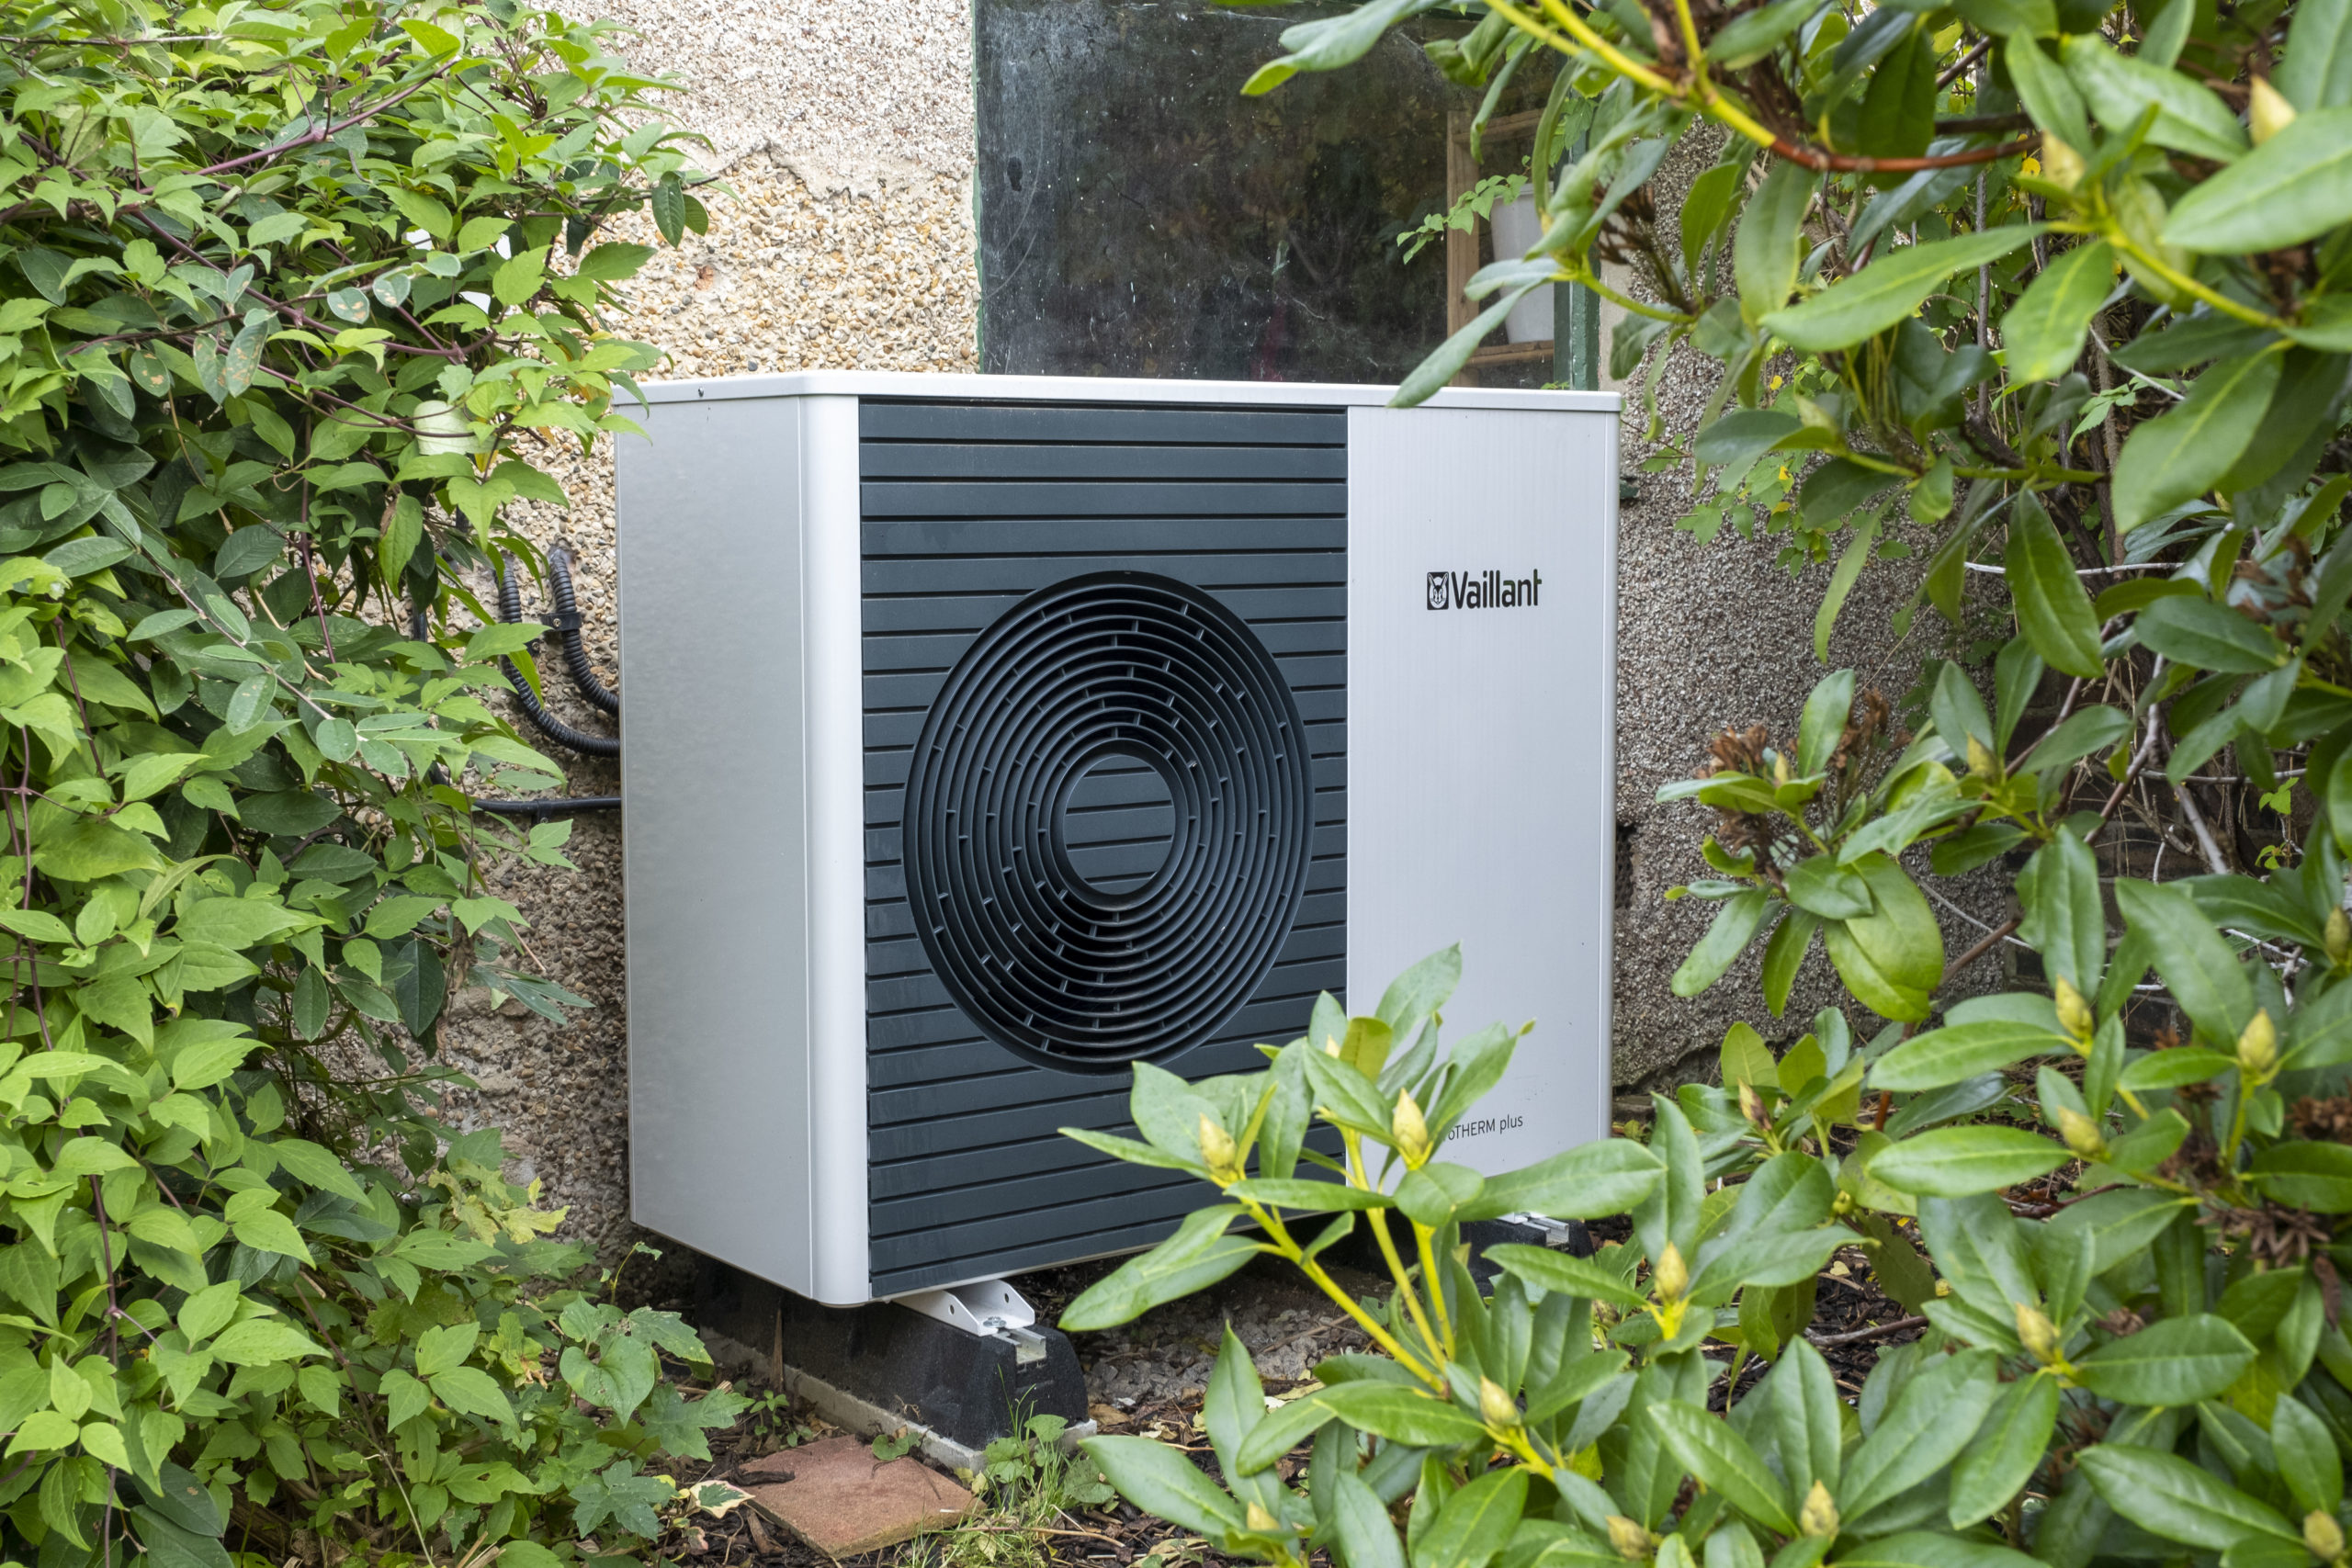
x: 566, y: 624
x: 510, y: 610
x: 539, y: 810
x: 536, y: 810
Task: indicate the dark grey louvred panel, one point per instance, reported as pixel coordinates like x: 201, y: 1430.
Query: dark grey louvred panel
x: 1104, y: 657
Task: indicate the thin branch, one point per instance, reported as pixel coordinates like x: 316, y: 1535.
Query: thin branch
x: 2207, y: 845
x: 1818, y: 159
x: 1876, y: 1331
x: 1993, y: 939
x: 1950, y: 73
x: 326, y: 128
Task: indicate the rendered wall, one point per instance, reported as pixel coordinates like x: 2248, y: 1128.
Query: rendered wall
x: 845, y: 129
x: 1720, y: 637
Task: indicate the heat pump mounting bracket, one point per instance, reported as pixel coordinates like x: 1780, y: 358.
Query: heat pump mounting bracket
x: 985, y: 1309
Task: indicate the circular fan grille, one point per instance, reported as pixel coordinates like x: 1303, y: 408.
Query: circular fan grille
x: 1062, y: 943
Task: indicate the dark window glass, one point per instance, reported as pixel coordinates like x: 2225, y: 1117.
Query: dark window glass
x: 1139, y: 217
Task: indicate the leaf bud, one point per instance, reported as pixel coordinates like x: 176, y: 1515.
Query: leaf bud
x: 1633, y: 1542
x: 1819, y: 1515
x: 2074, y: 1014
x: 1751, y: 1105
x: 1258, y: 1521
x: 2268, y: 111
x: 2038, y: 1334
x: 1496, y: 1406
x: 2258, y: 1047
x: 1412, y: 1133
x: 1670, y: 1274
x: 1218, y: 1153
x: 2060, y: 163
x: 2323, y: 1536
x: 1980, y: 760
x: 2082, y: 1133
x: 2339, y: 937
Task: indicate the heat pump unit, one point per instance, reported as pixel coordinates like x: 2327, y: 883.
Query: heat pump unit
x: 987, y: 735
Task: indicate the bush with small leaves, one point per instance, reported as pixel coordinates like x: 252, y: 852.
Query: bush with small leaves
x: 291, y: 295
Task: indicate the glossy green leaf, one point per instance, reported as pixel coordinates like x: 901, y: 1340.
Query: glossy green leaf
x: 2179, y: 457
x: 1807, y: 1420
x: 2313, y: 1176
x: 1472, y: 1525
x: 1403, y: 1415
x: 2119, y: 90
x: 2053, y: 612
x: 1889, y: 289
x: 1953, y: 1162
x: 2317, y: 71
x: 1199, y: 1254
x: 1942, y: 1056
x: 1929, y: 1549
x: 1891, y: 961
x: 2169, y: 1496
x: 1735, y: 923
x: 1765, y: 250
x: 1606, y: 1176
x: 2011, y: 1445
x: 1162, y: 1481
x: 2307, y: 1457
x: 1842, y: 579
x: 1827, y: 710
x: 1722, y: 1460
x: 2175, y: 1361
x: 1821, y: 886
x: 2190, y: 955
x: 2293, y: 188
x: 2048, y: 96
x: 1784, y: 954
x: 1928, y: 1425
x: 1765, y: 246
x: 1330, y: 43
x: 2046, y: 328
x: 1360, y: 1524
x: 1569, y: 1276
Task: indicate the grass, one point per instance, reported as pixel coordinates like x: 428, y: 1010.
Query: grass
x: 1031, y: 1488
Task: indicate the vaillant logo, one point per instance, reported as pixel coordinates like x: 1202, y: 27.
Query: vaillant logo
x: 1483, y: 590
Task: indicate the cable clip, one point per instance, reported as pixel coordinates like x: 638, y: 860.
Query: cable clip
x: 563, y: 621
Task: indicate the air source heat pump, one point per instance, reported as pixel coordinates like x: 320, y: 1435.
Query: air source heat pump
x: 988, y: 734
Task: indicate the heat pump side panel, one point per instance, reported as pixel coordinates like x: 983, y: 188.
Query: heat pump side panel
x: 1482, y: 707
x: 716, y: 864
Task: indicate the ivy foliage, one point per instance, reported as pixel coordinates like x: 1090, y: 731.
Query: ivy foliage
x: 294, y: 298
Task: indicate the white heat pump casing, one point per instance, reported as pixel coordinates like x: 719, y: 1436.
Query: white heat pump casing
x: 1479, y: 765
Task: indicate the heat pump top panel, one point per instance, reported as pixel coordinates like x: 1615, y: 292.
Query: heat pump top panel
x: 989, y: 735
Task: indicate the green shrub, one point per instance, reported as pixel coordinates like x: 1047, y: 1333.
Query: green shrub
x: 2055, y: 292
x: 287, y: 313
x: 2151, y: 1369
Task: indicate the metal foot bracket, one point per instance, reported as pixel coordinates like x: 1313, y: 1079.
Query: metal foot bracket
x: 985, y: 1309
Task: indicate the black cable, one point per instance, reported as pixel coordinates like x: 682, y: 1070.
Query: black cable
x: 566, y: 623
x: 538, y: 809
x: 510, y: 610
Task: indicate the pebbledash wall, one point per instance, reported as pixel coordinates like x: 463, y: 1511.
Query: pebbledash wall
x: 845, y: 131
